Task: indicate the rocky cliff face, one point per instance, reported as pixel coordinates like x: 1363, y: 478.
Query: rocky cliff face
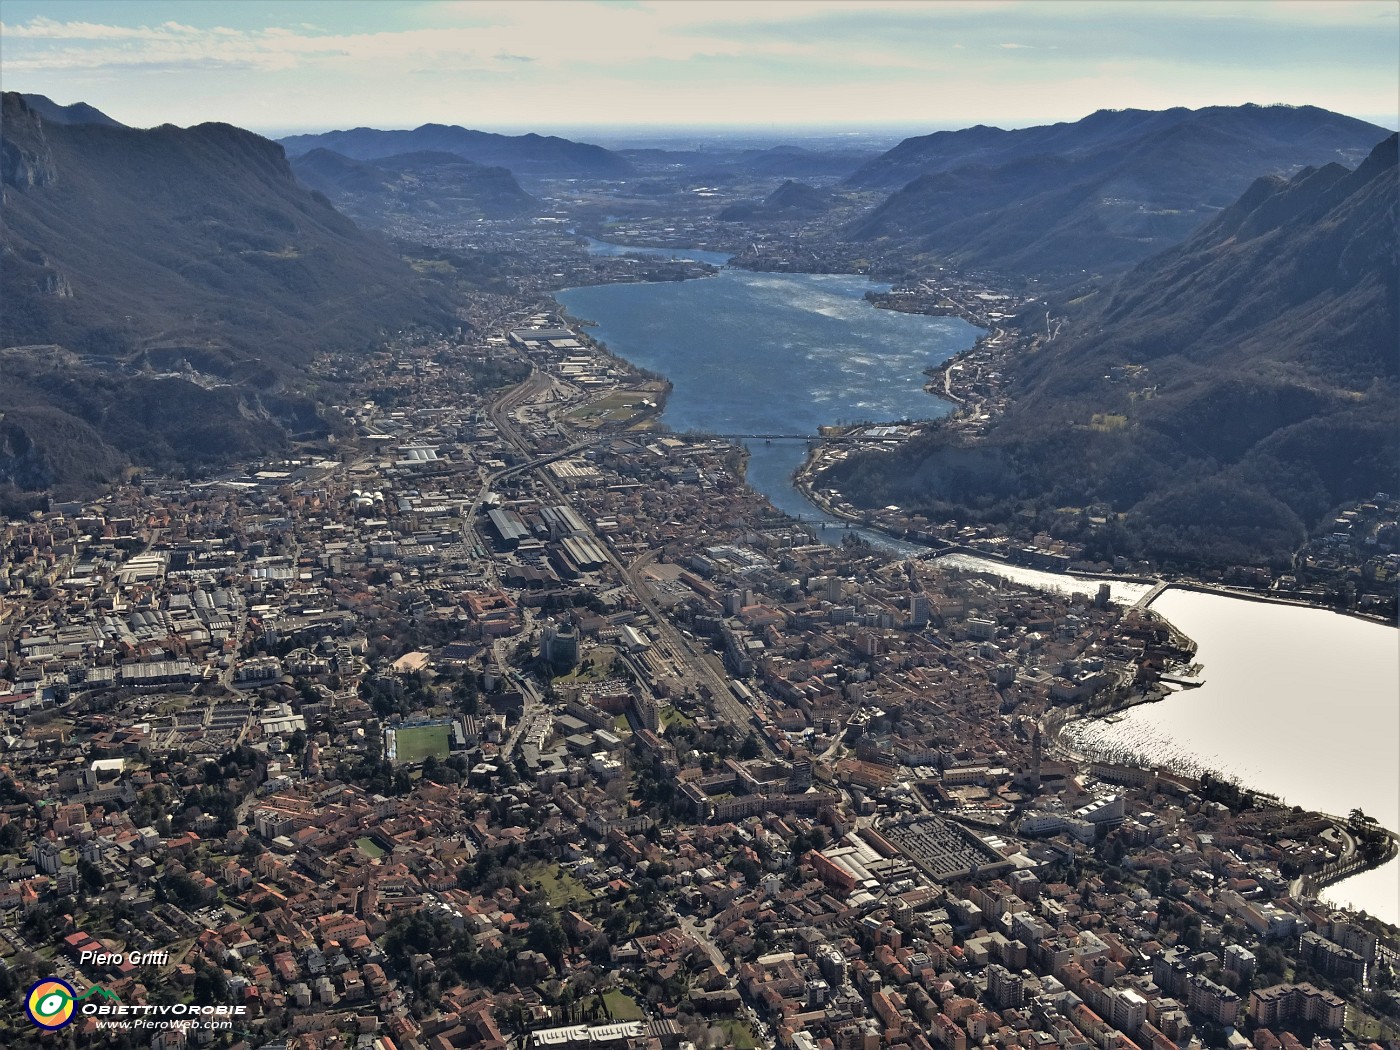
x: 25, y: 158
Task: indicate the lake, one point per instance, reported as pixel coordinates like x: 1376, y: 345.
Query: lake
x: 774, y: 353
x: 1298, y: 702
x: 766, y: 353
x: 1269, y: 671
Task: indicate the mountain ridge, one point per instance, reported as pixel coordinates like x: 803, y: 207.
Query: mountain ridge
x: 529, y: 154
x: 1215, y: 404
x: 184, y: 260
x: 76, y: 113
x: 991, y: 146
x: 442, y: 184
x: 1097, y: 195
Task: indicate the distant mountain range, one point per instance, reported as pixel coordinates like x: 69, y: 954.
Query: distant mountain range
x: 166, y: 288
x: 442, y: 185
x: 1222, y: 398
x: 534, y: 155
x: 1099, y: 194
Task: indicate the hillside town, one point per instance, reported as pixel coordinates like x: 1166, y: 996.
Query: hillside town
x: 505, y: 718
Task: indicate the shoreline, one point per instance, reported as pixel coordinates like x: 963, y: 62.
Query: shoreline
x: 802, y: 482
x: 1307, y: 886
x: 802, y: 477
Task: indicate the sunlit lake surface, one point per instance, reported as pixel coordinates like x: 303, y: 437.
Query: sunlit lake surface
x: 774, y: 354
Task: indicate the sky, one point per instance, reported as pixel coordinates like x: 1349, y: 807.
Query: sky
x: 278, y: 66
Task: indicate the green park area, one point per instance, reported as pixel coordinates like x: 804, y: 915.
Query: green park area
x: 560, y: 886
x: 671, y: 717
x: 737, y: 1034
x: 622, y: 1007
x: 597, y: 666
x: 1369, y: 1028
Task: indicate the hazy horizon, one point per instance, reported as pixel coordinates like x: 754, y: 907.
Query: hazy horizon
x: 651, y: 132
x: 765, y: 67
x: 681, y: 136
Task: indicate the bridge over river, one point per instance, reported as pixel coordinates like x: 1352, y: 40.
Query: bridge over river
x: 767, y: 437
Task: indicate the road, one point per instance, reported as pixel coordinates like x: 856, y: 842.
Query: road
x: 534, y: 705
x: 1348, y: 863
x: 688, y: 924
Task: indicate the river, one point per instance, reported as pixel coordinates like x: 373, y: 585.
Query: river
x: 1298, y: 702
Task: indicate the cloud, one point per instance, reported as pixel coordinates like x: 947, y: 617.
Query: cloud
x: 41, y: 28
x: 571, y: 34
x: 583, y: 37
x: 861, y: 59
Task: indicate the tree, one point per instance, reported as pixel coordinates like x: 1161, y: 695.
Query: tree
x: 748, y: 868
x: 547, y: 937
x: 210, y: 986
x: 182, y: 889
x: 93, y: 879
x: 1191, y: 934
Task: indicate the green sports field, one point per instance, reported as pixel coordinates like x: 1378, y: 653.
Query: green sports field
x: 418, y: 742
x: 619, y: 407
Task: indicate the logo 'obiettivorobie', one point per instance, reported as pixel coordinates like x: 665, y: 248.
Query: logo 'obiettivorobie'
x: 52, y: 1002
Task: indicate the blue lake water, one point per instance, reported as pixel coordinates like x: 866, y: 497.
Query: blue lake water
x: 773, y: 354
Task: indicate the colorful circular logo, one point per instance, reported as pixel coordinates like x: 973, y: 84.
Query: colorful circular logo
x: 50, y: 1003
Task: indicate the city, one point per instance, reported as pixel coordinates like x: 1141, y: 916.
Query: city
x: 504, y: 718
